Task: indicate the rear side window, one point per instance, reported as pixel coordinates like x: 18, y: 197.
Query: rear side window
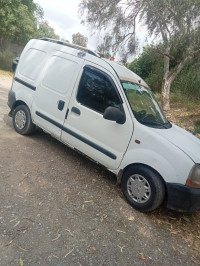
x: 32, y: 62
x: 97, y: 91
x: 59, y: 74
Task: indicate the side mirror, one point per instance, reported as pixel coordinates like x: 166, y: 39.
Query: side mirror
x: 114, y: 114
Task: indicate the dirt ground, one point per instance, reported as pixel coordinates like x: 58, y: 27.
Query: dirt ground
x: 58, y: 208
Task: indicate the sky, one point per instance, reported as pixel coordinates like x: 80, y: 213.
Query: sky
x: 62, y: 15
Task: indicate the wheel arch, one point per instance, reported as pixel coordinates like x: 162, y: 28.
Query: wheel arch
x: 17, y: 103
x: 122, y: 171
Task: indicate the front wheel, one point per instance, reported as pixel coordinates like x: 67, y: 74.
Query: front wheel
x: 22, y: 120
x: 143, y: 188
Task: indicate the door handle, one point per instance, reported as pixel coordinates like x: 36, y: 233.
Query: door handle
x: 61, y: 105
x: 76, y: 110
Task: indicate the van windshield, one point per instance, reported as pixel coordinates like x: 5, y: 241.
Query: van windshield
x: 144, y: 106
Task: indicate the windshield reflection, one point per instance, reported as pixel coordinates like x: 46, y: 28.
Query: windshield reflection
x: 144, y: 105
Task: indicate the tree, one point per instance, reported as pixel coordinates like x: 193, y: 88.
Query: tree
x: 45, y: 30
x: 79, y: 39
x: 175, y: 22
x: 149, y: 67
x: 117, y: 19
x: 18, y: 22
x: 39, y: 14
x: 64, y: 40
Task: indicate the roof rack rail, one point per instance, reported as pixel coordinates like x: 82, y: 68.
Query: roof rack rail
x: 71, y: 45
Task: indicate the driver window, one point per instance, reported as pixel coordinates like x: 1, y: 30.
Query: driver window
x: 97, y: 92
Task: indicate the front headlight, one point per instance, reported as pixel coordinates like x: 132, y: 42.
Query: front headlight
x: 193, y: 179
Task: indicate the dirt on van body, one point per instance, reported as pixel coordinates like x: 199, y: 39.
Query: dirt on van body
x: 59, y: 208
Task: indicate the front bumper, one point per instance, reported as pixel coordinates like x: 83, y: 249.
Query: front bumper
x: 183, y: 198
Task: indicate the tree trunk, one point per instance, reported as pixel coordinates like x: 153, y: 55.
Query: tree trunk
x: 166, y: 85
x: 169, y: 77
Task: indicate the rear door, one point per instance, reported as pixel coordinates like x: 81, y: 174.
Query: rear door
x: 54, y: 90
x: 85, y: 128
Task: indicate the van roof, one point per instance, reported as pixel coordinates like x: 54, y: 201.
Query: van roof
x: 127, y: 75
x: 123, y: 73
x: 71, y: 45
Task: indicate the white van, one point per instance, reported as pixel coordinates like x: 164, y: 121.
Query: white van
x: 108, y: 113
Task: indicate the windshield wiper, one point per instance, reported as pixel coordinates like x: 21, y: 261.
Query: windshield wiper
x: 164, y: 125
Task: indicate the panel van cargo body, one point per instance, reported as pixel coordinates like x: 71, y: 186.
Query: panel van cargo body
x: 108, y: 113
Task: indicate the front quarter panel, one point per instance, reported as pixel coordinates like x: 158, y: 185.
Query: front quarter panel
x: 158, y: 153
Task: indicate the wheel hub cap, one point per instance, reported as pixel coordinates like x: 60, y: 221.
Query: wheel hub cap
x: 138, y: 188
x: 20, y: 119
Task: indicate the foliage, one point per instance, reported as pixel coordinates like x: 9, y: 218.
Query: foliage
x: 21, y: 20
x: 176, y: 22
x: 39, y: 14
x: 79, y: 39
x: 117, y: 19
x: 18, y: 22
x: 180, y: 31
x: 45, y: 30
x: 197, y: 127
x: 6, y: 58
x: 149, y: 67
x: 188, y: 81
x: 145, y: 63
x: 64, y: 40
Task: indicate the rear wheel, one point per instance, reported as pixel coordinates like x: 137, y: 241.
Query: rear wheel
x: 143, y: 188
x: 22, y: 120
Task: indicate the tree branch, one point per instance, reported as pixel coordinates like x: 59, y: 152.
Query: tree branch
x: 168, y: 55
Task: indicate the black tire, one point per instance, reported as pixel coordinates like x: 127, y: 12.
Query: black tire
x: 22, y: 120
x: 143, y: 188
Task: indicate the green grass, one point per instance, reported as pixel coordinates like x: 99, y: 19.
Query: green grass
x: 188, y: 102
x: 157, y: 96
x: 6, y: 59
x: 177, y: 97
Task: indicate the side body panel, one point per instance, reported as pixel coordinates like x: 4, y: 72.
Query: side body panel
x: 54, y: 90
x: 103, y: 140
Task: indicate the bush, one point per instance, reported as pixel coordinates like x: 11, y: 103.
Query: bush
x: 149, y: 66
x: 6, y: 59
x: 188, y: 82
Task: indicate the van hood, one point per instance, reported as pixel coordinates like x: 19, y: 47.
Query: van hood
x: 184, y: 140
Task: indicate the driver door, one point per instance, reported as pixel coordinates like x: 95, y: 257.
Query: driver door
x: 85, y: 128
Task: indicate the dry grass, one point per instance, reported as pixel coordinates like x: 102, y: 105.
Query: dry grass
x: 6, y: 73
x: 186, y: 226
x: 185, y: 116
